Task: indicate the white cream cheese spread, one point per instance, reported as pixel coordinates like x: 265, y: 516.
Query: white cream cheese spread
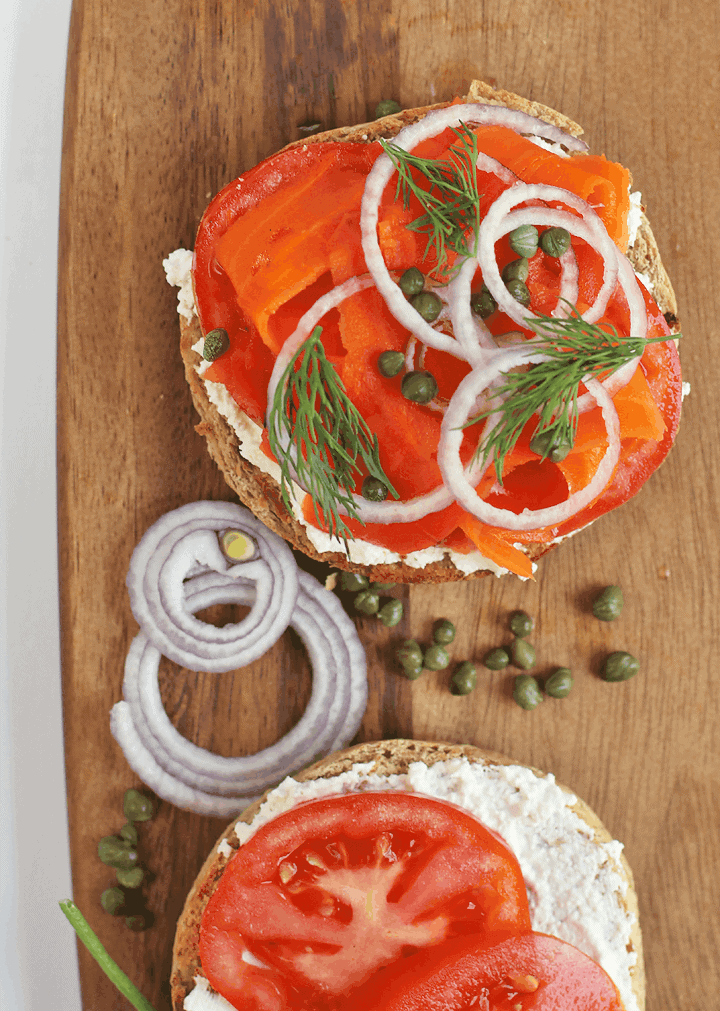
x: 575, y: 885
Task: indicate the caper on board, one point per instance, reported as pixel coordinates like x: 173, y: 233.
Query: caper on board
x: 382, y: 587
x: 390, y: 614
x: 353, y: 581
x: 497, y: 659
x: 412, y: 282
x: 130, y: 879
x: 464, y: 679
x: 386, y: 107
x: 412, y: 671
x: 443, y: 631
x: 428, y: 304
x: 129, y: 833
x: 367, y: 602
x: 409, y: 652
x: 527, y: 692
x: 373, y: 489
x: 137, y: 807
x: 521, y: 624
x: 112, y: 900
x: 559, y: 684
x: 116, y: 852
x: 608, y: 605
x: 522, y: 654
x: 419, y: 386
x: 524, y: 240
x: 620, y: 666
x: 436, y: 657
x: 555, y: 241
x: 390, y: 363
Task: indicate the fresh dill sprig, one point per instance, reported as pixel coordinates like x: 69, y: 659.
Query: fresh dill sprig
x: 575, y: 350
x: 452, y: 204
x: 318, y: 435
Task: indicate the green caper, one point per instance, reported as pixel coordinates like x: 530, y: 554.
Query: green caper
x: 550, y: 446
x: 386, y: 107
x: 129, y: 834
x: 522, y: 654
x: 555, y: 241
x: 419, y: 386
x: 527, y: 692
x: 519, y: 291
x: 390, y: 614
x: 373, y: 489
x: 524, y: 240
x: 215, y: 344
x: 137, y: 807
x: 428, y: 304
x: 112, y: 900
x: 516, y: 270
x: 436, y: 657
x: 382, y: 587
x: 351, y: 582
x: 620, y: 667
x: 136, y: 923
x: 130, y: 879
x: 413, y: 671
x: 482, y: 303
x: 464, y: 679
x: 116, y: 852
x: 609, y: 604
x: 367, y: 602
x: 521, y: 624
x: 412, y: 282
x: 559, y: 685
x: 443, y: 631
x: 409, y: 652
x: 390, y: 363
x: 496, y: 659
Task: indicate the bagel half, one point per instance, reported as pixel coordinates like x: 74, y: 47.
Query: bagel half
x: 233, y: 439
x: 383, y: 758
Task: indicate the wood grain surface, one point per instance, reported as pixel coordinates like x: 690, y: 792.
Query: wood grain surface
x: 168, y: 100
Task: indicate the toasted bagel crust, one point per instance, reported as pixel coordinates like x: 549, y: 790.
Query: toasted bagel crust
x: 258, y: 490
x: 388, y: 758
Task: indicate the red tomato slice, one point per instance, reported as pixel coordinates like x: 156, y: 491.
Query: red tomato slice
x: 331, y: 891
x: 529, y: 972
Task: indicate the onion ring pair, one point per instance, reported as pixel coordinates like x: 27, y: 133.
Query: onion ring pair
x: 177, y: 770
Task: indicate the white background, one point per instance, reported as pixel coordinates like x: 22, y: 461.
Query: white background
x: 39, y: 965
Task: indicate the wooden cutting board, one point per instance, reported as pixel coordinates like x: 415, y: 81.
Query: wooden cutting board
x: 168, y: 100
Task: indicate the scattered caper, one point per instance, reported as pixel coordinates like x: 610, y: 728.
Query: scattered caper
x: 521, y: 624
x: 409, y: 652
x: 390, y: 614
x: 116, y: 852
x: 620, y: 667
x: 373, y: 489
x: 412, y: 281
x: 609, y: 604
x: 136, y: 923
x: 419, y: 386
x: 482, y: 303
x: 215, y: 344
x: 367, y: 602
x: 519, y: 291
x: 522, y: 654
x: 412, y: 671
x: 386, y: 107
x: 382, y: 587
x: 130, y: 879
x: 353, y: 581
x: 443, y: 631
x: 559, y: 685
x: 428, y: 304
x: 527, y: 692
x: 516, y: 270
x: 550, y: 446
x: 137, y: 807
x: 390, y: 363
x: 524, y: 240
x: 112, y: 900
x: 496, y: 659
x: 436, y: 657
x: 555, y: 241
x: 464, y: 679
x: 129, y: 834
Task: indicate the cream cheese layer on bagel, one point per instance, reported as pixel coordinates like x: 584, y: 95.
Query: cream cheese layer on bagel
x: 236, y: 442
x: 579, y: 885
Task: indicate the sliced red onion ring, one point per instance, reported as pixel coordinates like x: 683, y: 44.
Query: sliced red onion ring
x: 198, y: 780
x: 460, y: 408
x: 185, y: 542
x: 381, y: 174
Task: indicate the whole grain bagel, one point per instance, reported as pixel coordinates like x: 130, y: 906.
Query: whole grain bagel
x: 384, y: 758
x: 228, y: 440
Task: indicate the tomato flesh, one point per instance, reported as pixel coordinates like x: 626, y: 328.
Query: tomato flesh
x: 333, y: 890
x: 528, y: 972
